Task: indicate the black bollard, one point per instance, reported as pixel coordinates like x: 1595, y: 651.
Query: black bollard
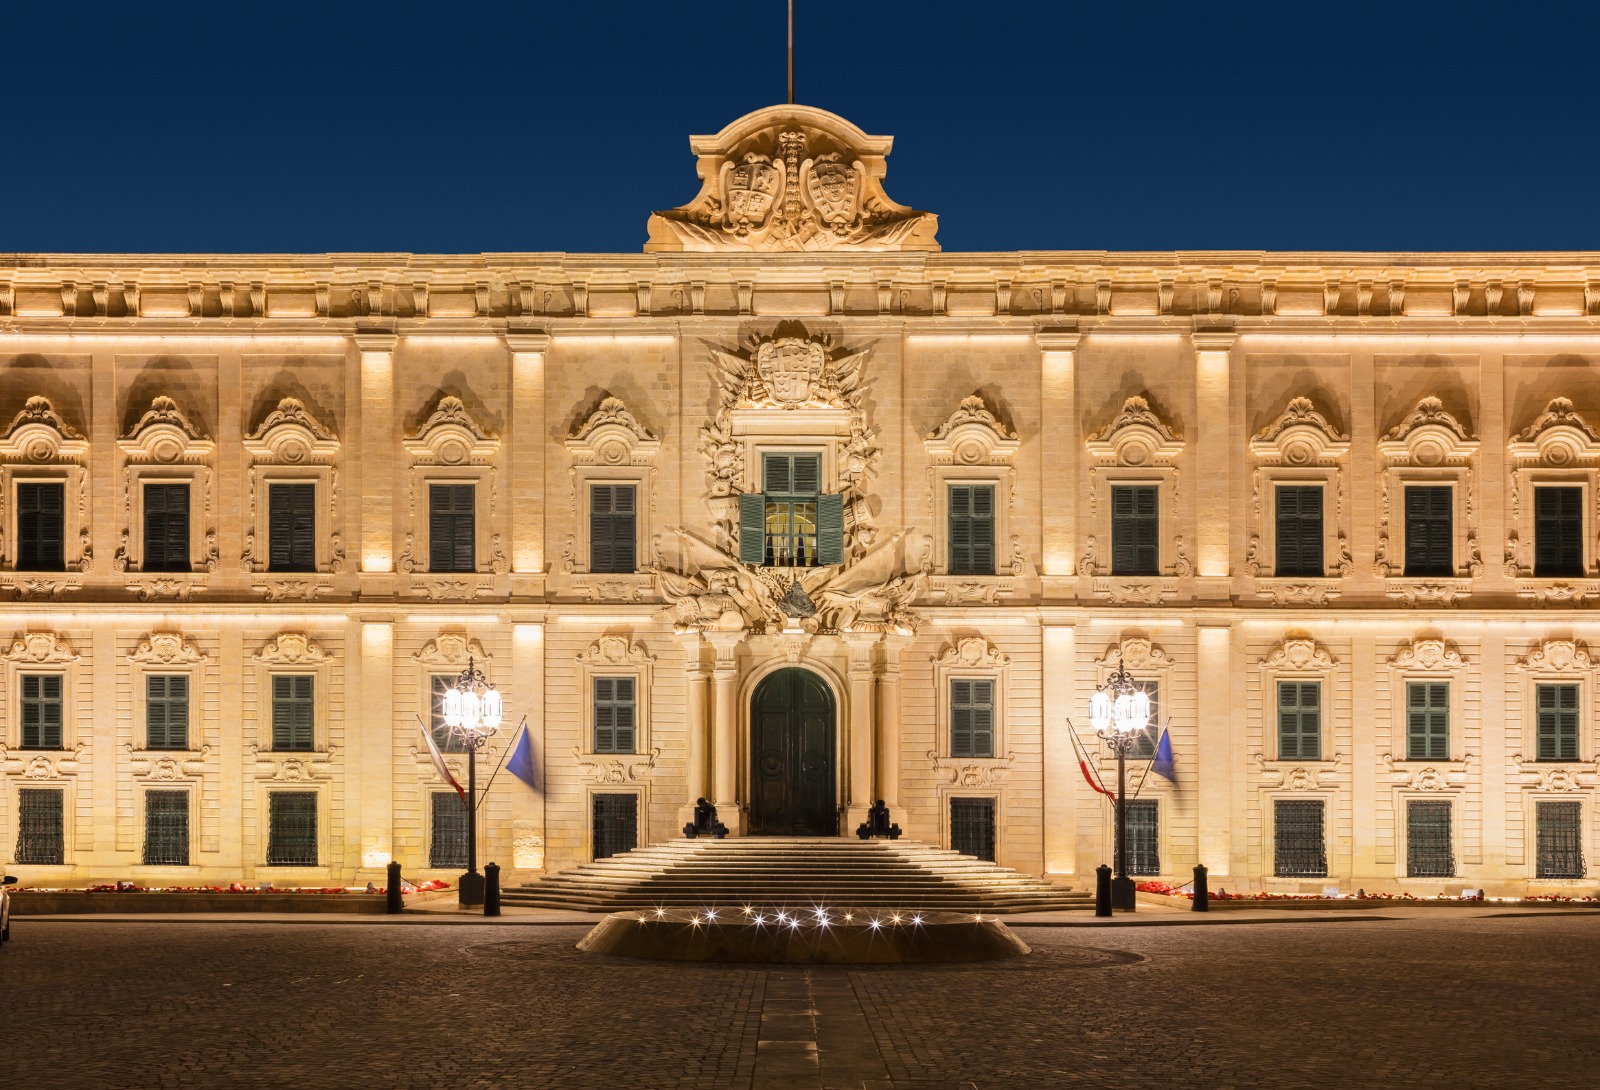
x: 491, y: 889
x: 1202, y: 896
x: 394, y: 900
x: 1102, y: 890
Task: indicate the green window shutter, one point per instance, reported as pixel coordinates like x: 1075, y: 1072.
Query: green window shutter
x: 983, y: 719
x: 752, y: 527
x: 292, y: 527
x: 167, y: 711
x: 777, y: 474
x: 166, y: 527
x: 612, y: 528
x: 830, y: 529
x: 960, y: 718
x: 41, y: 531
x: 293, y: 713
x: 1558, y: 532
x: 1430, y: 545
x: 452, y: 541
x: 1135, y: 530
x: 1299, y: 531
x: 1557, y: 711
x: 971, y: 529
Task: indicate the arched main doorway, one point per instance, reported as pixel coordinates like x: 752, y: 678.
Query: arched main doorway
x: 792, y: 778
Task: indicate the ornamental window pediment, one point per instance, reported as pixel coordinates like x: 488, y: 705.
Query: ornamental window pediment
x: 1301, y: 436
x: 1297, y: 502
x: 1428, y: 436
x: 166, y: 461
x: 167, y: 649
x: 971, y: 680
x: 290, y: 435
x: 970, y: 485
x: 41, y: 453
x: 451, y: 437
x: 1427, y: 656
x: 612, y: 436
x: 614, y: 677
x: 453, y: 481
x: 38, y: 436
x: 1429, y: 450
x: 1136, y: 436
x: 36, y: 647
x: 450, y: 648
x: 1133, y: 463
x: 1554, y: 469
x: 972, y: 436
x: 613, y: 463
x: 292, y: 649
x: 165, y: 436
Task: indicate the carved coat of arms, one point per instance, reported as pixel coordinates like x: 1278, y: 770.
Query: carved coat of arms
x: 790, y: 368
x: 832, y: 190
x: 750, y: 191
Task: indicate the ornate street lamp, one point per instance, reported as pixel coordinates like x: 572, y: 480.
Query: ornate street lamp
x: 472, y: 710
x: 1119, y: 711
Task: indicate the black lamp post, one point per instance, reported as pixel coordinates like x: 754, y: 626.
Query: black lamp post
x: 1119, y: 710
x: 472, y: 710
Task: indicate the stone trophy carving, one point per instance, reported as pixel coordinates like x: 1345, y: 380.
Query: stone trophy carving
x: 791, y: 178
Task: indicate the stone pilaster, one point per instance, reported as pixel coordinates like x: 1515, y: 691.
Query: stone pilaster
x: 527, y: 805
x: 888, y: 757
x: 371, y: 747
x: 1063, y: 783
x: 1215, y: 457
x: 1215, y: 757
x: 694, y: 724
x: 527, y: 457
x: 725, y: 729
x: 861, y: 741
x: 1061, y: 456
x: 377, y: 455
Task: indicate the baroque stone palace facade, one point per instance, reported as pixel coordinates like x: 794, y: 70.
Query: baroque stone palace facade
x: 794, y: 511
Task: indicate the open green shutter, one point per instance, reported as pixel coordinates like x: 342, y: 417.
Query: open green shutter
x: 830, y: 528
x: 752, y: 527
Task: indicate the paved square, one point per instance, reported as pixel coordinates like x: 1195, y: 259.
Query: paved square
x: 1440, y: 1000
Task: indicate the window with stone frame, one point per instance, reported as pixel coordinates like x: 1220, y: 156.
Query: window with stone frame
x: 613, y: 528
x: 292, y: 526
x: 791, y: 522
x: 41, y: 532
x: 615, y: 714
x: 166, y: 527
x: 1557, y: 532
x: 1299, y: 720
x: 1427, y: 720
x: 42, y: 719
x: 1556, y: 710
x: 972, y: 717
x: 293, y: 712
x: 166, y: 711
x: 291, y: 828
x: 166, y: 828
x: 1299, y: 839
x: 41, y: 826
x: 1430, y: 851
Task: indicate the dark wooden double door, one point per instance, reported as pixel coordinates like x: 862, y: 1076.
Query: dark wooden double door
x: 792, y: 745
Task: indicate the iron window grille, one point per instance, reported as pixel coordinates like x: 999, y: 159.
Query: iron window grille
x: 1430, y: 545
x: 291, y: 829
x: 41, y: 829
x: 166, y: 711
x: 42, y: 711
x: 166, y: 527
x: 613, y: 528
x: 1135, y: 530
x: 1430, y: 852
x: 1557, y: 532
x: 447, y: 848
x: 1559, y: 832
x: 1299, y: 542
x: 1144, y: 839
x: 1427, y: 721
x: 1299, y: 845
x: 41, y: 529
x: 292, y: 527
x: 972, y: 827
x: 615, y: 715
x: 1557, y: 715
x: 1299, y: 720
x: 166, y: 828
x: 971, y: 529
x: 971, y: 717
x: 616, y: 824
x: 452, y: 542
x: 293, y: 712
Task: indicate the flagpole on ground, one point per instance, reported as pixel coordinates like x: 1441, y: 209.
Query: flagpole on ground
x: 503, y: 755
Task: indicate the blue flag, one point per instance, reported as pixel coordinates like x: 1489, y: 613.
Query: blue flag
x: 520, y: 763
x: 1163, y: 762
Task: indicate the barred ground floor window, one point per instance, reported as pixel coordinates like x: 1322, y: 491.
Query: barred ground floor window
x: 1144, y: 841
x: 41, y: 826
x: 166, y: 828
x: 1559, y: 831
x: 448, y: 845
x: 291, y: 829
x: 1430, y: 852
x: 616, y: 824
x: 1300, y: 848
x: 972, y: 827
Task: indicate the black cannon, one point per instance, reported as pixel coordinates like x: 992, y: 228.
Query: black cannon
x: 705, y: 822
x: 878, y: 824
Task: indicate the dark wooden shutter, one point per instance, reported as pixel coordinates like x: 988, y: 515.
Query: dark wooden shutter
x: 1427, y: 720
x: 972, y: 827
x: 1557, y: 710
x: 1299, y: 540
x: 452, y: 540
x: 447, y: 847
x: 971, y: 529
x: 1299, y: 720
x: 1144, y: 837
x: 292, y: 828
x: 166, y: 829
x: 293, y: 718
x: 1135, y: 530
x: 1557, y: 532
x: 615, y: 715
x: 971, y: 717
x: 830, y: 528
x: 612, y: 528
x: 167, y: 711
x: 1559, y: 831
x: 292, y: 527
x: 41, y: 535
x: 1429, y: 851
x: 41, y: 827
x: 1299, y: 846
x: 616, y: 824
x: 166, y: 527
x: 752, y: 527
x: 41, y: 711
x: 1430, y: 542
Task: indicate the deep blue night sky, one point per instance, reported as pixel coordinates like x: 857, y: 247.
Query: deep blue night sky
x: 462, y: 127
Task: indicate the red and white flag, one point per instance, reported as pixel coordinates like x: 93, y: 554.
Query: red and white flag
x: 438, y: 761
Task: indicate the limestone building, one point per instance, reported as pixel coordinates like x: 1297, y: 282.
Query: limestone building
x: 795, y: 511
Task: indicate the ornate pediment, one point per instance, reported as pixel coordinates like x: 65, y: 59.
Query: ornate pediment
x: 1137, y: 654
x: 38, y: 435
x: 970, y: 653
x: 451, y: 437
x: 450, y: 649
x: 1299, y: 654
x: 1428, y: 436
x: 1136, y: 436
x: 1559, y: 437
x: 292, y: 649
x: 1557, y: 657
x: 1428, y: 655
x: 166, y: 649
x: 1300, y: 437
x: 612, y: 437
x: 791, y: 178
x: 37, y: 646
x: 164, y: 436
x: 615, y: 651
x: 290, y: 435
x: 972, y: 436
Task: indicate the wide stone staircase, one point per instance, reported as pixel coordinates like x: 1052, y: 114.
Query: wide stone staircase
x: 799, y: 872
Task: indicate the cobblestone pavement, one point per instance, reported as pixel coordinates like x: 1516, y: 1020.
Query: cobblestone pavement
x: 1457, y: 1002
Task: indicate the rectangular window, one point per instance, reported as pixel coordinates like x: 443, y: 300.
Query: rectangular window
x: 292, y: 527
x: 1427, y: 721
x: 1298, y: 846
x: 972, y: 827
x: 166, y: 828
x: 613, y: 528
x: 41, y: 830
x: 1560, y: 834
x: 614, y: 715
x: 1135, y: 530
x: 1299, y: 550
x: 1430, y: 544
x: 293, y: 716
x: 447, y: 848
x: 1144, y: 747
x: 792, y: 483
x: 446, y: 739
x: 1299, y: 720
x: 41, y: 532
x: 1557, y: 532
x: 1429, y: 853
x: 41, y: 711
x: 616, y: 824
x: 452, y: 544
x: 971, y: 717
x: 1144, y: 841
x: 166, y: 711
x: 291, y: 828
x: 972, y: 529
x: 1557, y: 710
x: 166, y: 527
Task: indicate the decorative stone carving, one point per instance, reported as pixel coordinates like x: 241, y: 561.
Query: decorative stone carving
x: 451, y: 437
x: 612, y: 437
x: 165, y: 589
x: 1136, y: 653
x: 615, y: 651
x: 1558, y: 778
x: 970, y: 653
x: 1434, y: 776
x: 451, y: 648
x: 1559, y: 437
x: 33, y: 765
x: 1300, y: 437
x: 1431, y: 655
x: 164, y: 436
x: 791, y: 178
x: 981, y: 590
x: 39, y: 435
x: 291, y: 649
x: 1290, y: 592
x: 1299, y: 654
x: 1146, y: 592
x: 1135, y: 437
x: 285, y: 590
x: 1417, y: 592
x: 37, y: 647
x: 1558, y: 594
x: 1313, y: 776
x: 1428, y: 436
x: 969, y: 772
x: 298, y: 767
x: 971, y: 436
x: 1557, y: 657
x: 290, y: 435
x: 31, y: 588
x: 166, y: 765
x: 167, y: 649
x: 617, y: 769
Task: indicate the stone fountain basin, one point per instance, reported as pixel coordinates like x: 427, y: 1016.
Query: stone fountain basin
x: 808, y: 937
